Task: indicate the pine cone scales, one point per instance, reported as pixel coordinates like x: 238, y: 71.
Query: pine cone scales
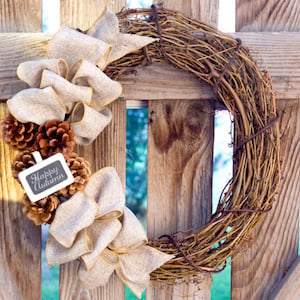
x: 54, y: 137
x: 81, y: 171
x: 42, y: 211
x: 19, y: 135
x: 23, y: 161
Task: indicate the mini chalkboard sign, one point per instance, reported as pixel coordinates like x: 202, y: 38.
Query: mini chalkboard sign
x: 46, y: 177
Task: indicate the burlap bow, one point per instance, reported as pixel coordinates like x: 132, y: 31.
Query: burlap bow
x: 71, y: 81
x: 97, y: 227
x: 93, y: 225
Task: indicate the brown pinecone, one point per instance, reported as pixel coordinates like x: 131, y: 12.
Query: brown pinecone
x: 23, y: 161
x: 81, y: 171
x: 54, y: 137
x: 19, y: 135
x: 42, y: 211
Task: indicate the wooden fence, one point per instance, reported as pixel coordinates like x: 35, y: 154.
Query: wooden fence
x: 184, y: 175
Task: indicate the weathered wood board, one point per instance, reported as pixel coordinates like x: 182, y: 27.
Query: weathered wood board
x: 289, y: 286
x: 275, y: 15
x: 20, y: 239
x: 180, y: 157
x: 258, y: 269
x: 279, y: 52
x: 107, y: 150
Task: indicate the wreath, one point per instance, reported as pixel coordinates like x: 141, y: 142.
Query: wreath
x: 188, y: 44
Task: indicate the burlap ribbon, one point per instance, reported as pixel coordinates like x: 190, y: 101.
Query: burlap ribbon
x: 97, y: 227
x: 94, y: 225
x: 71, y: 81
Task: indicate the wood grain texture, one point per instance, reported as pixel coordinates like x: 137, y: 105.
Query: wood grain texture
x: 14, y: 49
x: 256, y: 271
x: 82, y: 14
x: 180, y: 151
x: 205, y: 11
x: 262, y: 15
x: 278, y: 51
x: 289, y: 287
x: 107, y: 150
x: 20, y: 239
x: 266, y: 259
x: 20, y: 16
x: 180, y: 157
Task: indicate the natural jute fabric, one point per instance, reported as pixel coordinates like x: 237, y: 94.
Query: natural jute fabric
x: 94, y: 225
x: 72, y: 77
x: 82, y: 91
x: 97, y: 227
x: 106, y: 28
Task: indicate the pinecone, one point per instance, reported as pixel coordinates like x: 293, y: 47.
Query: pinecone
x: 54, y: 137
x: 19, y: 135
x: 23, y: 161
x: 81, y: 170
x: 42, y: 211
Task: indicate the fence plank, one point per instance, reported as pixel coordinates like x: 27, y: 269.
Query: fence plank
x: 20, y: 16
x: 107, y: 150
x: 180, y: 166
x: 261, y: 266
x: 206, y: 11
x: 289, y: 286
x: 275, y: 15
x: 82, y: 14
x: 280, y: 52
x: 20, y: 239
x: 179, y: 177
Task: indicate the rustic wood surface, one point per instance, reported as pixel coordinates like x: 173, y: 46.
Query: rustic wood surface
x: 82, y: 14
x: 107, y: 150
x: 180, y: 157
x: 20, y: 239
x: 206, y: 11
x: 289, y: 287
x: 20, y: 16
x: 274, y: 15
x: 266, y: 259
x: 180, y: 147
x: 280, y: 52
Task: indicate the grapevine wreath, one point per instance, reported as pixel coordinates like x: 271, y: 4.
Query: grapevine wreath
x: 188, y: 44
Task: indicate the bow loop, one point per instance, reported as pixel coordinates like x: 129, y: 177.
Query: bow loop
x: 31, y: 71
x: 33, y: 100
x: 71, y: 217
x: 105, y: 90
x: 69, y: 93
x: 71, y: 45
x: 126, y: 242
x: 87, y: 122
x: 106, y: 188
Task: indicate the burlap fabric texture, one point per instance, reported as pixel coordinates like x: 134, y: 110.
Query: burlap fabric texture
x: 71, y: 81
x: 96, y: 227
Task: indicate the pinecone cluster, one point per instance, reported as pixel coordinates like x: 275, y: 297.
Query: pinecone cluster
x: 19, y: 135
x: 55, y: 137
x: 42, y: 211
x: 81, y: 171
